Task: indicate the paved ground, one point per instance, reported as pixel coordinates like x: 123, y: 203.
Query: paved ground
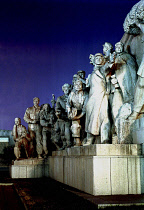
x: 46, y: 193
x: 9, y: 199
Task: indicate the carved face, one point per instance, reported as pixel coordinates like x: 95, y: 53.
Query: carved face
x: 78, y: 85
x: 119, y: 48
x: 98, y: 60
x: 74, y: 78
x: 46, y: 107
x: 66, y: 90
x: 81, y: 74
x: 106, y: 50
x: 17, y: 121
x: 36, y: 102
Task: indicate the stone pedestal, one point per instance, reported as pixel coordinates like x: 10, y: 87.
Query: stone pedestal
x: 29, y: 168
x: 100, y: 169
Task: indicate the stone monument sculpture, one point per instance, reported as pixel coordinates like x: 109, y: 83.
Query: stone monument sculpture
x: 46, y: 121
x: 75, y: 77
x: 123, y: 80
x: 31, y: 117
x: 81, y: 76
x: 21, y: 138
x: 53, y: 101
x: 125, y: 72
x: 97, y: 117
x: 61, y: 113
x: 107, y: 50
x: 58, y: 135
x: 133, y: 42
x: 76, y: 108
x: 109, y: 58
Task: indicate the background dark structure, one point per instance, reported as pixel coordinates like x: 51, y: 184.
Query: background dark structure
x: 43, y: 43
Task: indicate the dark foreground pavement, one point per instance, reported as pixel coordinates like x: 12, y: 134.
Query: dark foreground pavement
x: 45, y: 193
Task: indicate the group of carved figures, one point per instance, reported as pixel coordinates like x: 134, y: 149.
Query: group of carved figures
x: 95, y: 109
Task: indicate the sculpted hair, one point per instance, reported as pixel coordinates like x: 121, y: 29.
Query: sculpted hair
x: 109, y: 45
x: 36, y: 98
x: 135, y: 15
x: 65, y: 85
x: 17, y: 118
x: 119, y: 43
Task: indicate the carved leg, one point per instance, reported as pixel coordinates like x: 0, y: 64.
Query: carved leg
x: 39, y: 146
x: 105, y: 132
x: 76, y: 132
x: 45, y: 143
x: 90, y: 139
x: 17, y: 152
x: 78, y: 142
x: 68, y: 134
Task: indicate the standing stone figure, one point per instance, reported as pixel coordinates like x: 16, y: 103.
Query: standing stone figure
x: 97, y: 118
x: 21, y: 138
x: 58, y: 135
x: 109, y: 58
x: 31, y: 117
x: 76, y: 108
x: 81, y: 76
x: 123, y: 80
x: 125, y: 71
x: 53, y: 101
x: 46, y: 121
x: 62, y: 114
x: 107, y: 50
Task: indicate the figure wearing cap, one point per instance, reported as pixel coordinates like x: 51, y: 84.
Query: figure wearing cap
x: 62, y: 116
x: 97, y: 118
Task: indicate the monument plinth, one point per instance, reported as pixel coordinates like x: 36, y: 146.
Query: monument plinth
x: 100, y: 169
x: 29, y: 168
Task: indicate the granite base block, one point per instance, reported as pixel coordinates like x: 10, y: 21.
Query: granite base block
x: 98, y: 175
x: 101, y: 150
x: 101, y: 169
x: 29, y: 168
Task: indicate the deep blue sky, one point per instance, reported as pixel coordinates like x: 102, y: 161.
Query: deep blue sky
x: 43, y: 43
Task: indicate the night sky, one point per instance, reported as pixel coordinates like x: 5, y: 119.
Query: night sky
x: 44, y: 43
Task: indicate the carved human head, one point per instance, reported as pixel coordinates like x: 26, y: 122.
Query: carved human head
x: 36, y: 101
x: 107, y: 48
x: 135, y: 19
x: 66, y: 88
x: 99, y: 59
x: 75, y: 77
x: 46, y: 107
x: 81, y: 73
x: 17, y: 121
x: 78, y: 85
x: 119, y: 47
